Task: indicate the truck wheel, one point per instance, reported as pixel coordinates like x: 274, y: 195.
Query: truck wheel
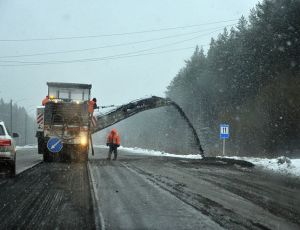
x: 40, y: 145
x: 47, y: 156
x: 65, y: 155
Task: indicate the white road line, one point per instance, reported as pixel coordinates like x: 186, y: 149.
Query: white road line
x: 22, y: 170
x: 98, y: 214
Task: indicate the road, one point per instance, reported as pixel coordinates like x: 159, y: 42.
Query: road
x: 166, y: 193
x: 143, y: 192
x: 128, y: 201
x: 47, y: 196
x: 27, y: 158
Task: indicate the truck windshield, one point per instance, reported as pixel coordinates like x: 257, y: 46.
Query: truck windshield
x: 69, y: 93
x: 80, y: 94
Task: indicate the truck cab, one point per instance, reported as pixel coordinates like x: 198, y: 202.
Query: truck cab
x: 65, y: 117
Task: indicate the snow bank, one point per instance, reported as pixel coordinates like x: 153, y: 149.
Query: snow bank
x: 148, y: 152
x: 288, y: 168
x: 292, y: 168
x: 159, y: 153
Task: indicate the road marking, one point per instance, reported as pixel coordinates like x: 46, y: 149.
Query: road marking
x: 18, y: 172
x: 96, y: 201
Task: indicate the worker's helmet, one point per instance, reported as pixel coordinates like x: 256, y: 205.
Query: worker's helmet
x: 94, y: 99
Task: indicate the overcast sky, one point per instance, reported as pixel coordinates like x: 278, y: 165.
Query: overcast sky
x: 157, y: 55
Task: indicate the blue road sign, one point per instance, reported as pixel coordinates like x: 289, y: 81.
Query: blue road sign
x: 224, y: 131
x: 54, y: 145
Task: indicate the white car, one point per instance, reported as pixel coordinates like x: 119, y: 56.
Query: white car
x: 7, y: 150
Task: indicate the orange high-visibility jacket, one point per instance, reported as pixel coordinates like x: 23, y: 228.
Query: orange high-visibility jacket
x: 91, y: 106
x: 113, y: 137
x: 45, y: 101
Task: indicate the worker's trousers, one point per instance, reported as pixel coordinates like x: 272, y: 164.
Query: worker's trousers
x: 113, y: 149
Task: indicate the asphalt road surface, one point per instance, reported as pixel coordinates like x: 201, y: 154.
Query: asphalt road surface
x: 166, y: 193
x: 47, y: 196
x: 140, y: 192
x: 27, y: 158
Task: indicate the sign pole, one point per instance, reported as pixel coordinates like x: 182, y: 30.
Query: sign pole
x: 224, y: 134
x: 223, y: 147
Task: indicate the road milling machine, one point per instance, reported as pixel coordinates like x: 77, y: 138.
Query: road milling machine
x: 65, y: 127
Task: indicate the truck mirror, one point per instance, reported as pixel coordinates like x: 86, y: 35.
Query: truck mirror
x: 15, y: 135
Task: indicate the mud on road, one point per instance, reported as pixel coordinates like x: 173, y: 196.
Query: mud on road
x: 48, y: 196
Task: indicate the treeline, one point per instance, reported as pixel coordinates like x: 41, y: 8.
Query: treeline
x: 249, y: 79
x: 22, y: 122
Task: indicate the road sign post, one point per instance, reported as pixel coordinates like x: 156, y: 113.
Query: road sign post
x: 224, y: 134
x: 224, y: 147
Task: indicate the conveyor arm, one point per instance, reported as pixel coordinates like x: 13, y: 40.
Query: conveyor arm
x: 124, y: 111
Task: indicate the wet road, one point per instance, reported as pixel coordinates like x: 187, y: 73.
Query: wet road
x: 129, y: 201
x: 166, y: 193
x: 140, y: 192
x: 48, y: 196
x: 27, y: 158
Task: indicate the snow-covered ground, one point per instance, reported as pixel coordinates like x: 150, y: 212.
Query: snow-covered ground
x: 149, y: 152
x: 291, y: 168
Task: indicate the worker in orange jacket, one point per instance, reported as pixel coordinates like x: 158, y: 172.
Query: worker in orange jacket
x: 113, y: 141
x: 92, y: 106
x: 45, y: 100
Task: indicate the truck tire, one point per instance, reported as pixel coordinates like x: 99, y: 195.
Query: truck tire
x: 47, y: 156
x: 65, y: 154
x: 40, y: 145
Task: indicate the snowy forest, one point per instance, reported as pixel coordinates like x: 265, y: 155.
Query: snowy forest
x: 249, y: 78
x: 22, y: 122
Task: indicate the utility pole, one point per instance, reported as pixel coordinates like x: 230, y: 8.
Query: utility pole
x: 11, y: 116
x: 25, y: 132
